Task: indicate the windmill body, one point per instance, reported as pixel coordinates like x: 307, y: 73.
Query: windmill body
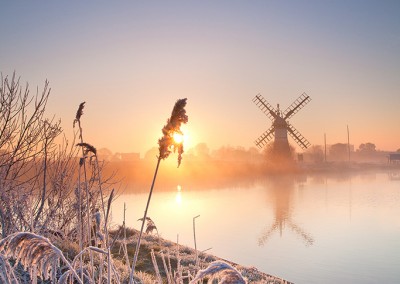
x: 281, y: 126
x: 281, y: 143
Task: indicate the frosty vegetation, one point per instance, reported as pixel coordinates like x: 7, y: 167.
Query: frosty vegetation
x: 55, y: 200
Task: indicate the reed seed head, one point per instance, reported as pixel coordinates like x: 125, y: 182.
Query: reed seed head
x: 87, y: 148
x: 79, y: 113
x: 166, y: 143
x: 150, y: 226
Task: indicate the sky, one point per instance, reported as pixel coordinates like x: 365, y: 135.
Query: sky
x: 131, y: 60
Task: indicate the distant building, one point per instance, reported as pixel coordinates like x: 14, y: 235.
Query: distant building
x: 394, y: 158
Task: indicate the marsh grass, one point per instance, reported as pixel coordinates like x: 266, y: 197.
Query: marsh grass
x: 72, y: 209
x: 7, y: 274
x: 37, y: 255
x: 220, y: 269
x: 100, y: 233
x: 180, y: 262
x: 176, y: 263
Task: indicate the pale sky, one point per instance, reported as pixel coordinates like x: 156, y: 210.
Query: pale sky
x: 131, y: 60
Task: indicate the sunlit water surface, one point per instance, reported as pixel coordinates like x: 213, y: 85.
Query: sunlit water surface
x: 309, y: 229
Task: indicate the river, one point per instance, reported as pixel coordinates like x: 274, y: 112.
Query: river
x: 305, y: 229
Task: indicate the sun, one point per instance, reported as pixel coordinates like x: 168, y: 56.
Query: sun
x: 178, y: 137
x: 182, y: 137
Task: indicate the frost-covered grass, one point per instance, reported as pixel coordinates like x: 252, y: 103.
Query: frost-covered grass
x: 31, y: 258
x: 176, y: 255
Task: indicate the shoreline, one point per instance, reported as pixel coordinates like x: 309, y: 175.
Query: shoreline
x: 181, y: 257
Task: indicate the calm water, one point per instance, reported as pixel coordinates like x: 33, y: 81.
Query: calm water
x: 310, y: 229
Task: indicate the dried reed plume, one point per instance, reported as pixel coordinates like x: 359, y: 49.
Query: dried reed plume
x: 35, y: 253
x: 167, y: 144
x: 150, y: 226
x: 87, y: 148
x: 79, y: 113
x: 227, y: 273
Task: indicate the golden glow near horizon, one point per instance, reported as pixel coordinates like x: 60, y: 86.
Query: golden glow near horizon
x: 130, y: 63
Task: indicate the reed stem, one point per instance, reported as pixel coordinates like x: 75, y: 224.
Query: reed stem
x: 143, y: 221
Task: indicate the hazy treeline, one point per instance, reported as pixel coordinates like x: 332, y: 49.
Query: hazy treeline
x: 365, y: 153
x: 201, y: 168
x: 235, y: 166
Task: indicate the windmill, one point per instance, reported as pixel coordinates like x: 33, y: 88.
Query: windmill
x: 280, y: 125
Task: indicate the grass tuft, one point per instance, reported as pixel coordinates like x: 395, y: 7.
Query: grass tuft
x: 35, y: 253
x: 223, y: 270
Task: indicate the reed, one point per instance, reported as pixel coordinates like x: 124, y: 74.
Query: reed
x: 156, y: 269
x: 65, y: 277
x: 167, y: 145
x: 166, y: 268
x: 124, y: 242
x: 178, y: 273
x: 82, y: 164
x: 150, y: 225
x: 90, y: 152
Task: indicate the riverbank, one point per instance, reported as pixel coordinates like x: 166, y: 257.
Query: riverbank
x: 172, y: 259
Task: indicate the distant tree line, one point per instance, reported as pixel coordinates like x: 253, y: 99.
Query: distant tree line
x: 366, y: 152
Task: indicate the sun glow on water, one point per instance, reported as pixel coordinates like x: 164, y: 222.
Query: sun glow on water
x: 178, y: 196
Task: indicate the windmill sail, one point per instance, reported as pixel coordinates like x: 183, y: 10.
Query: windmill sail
x: 309, y: 240
x: 301, y: 141
x: 265, y: 106
x: 265, y: 137
x: 296, y: 106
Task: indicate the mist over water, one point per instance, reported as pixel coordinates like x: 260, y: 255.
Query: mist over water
x: 320, y: 228
x: 203, y: 168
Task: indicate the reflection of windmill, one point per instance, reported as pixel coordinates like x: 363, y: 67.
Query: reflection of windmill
x: 282, y: 190
x: 280, y: 126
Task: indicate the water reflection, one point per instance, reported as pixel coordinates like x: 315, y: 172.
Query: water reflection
x: 281, y: 189
x: 394, y: 175
x: 178, y: 196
